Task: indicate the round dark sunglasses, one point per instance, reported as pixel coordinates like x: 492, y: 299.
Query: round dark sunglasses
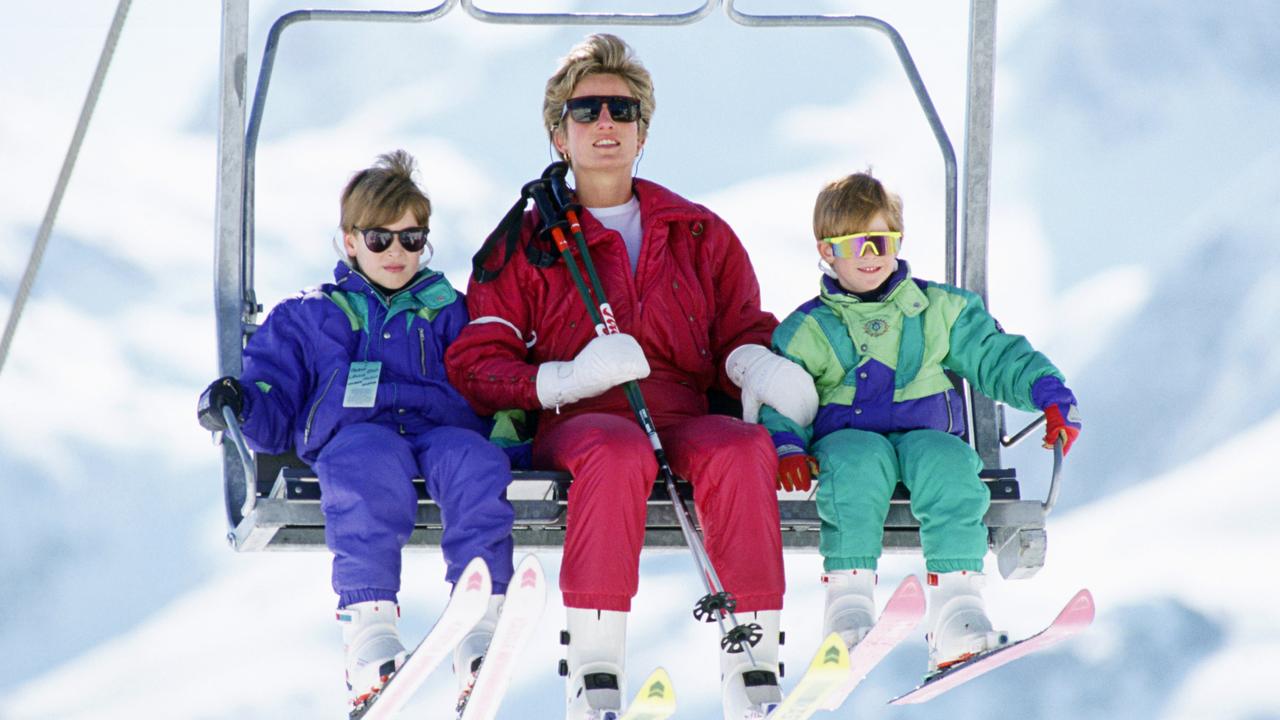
x: 587, y: 108
x: 379, y: 239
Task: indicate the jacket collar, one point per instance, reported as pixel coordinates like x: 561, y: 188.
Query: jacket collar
x: 415, y: 293
x: 899, y: 289
x: 657, y: 205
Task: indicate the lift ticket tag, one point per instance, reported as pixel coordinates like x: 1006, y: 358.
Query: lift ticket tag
x: 362, y: 384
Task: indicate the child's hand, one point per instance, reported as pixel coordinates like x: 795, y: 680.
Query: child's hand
x: 223, y: 392
x: 796, y: 471
x: 1062, y: 418
x: 1062, y: 421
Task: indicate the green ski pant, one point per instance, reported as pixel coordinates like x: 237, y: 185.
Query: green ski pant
x: 858, y: 472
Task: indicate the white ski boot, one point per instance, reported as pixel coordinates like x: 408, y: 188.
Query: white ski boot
x: 595, y: 685
x: 751, y: 692
x: 851, y: 605
x: 371, y: 642
x: 470, y: 652
x: 958, y: 624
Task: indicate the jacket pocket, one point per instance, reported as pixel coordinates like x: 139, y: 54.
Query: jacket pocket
x: 311, y: 416
x: 422, y: 350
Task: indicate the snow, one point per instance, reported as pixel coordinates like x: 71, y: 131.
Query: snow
x: 1132, y: 238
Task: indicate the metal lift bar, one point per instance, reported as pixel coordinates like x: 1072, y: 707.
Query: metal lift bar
x: 574, y: 18
x: 260, y: 101
x: 917, y: 85
x: 64, y: 178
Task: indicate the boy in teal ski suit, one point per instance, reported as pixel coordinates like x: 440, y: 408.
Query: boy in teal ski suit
x: 878, y: 344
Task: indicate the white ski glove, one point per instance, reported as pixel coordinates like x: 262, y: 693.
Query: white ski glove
x: 768, y: 379
x: 605, y: 362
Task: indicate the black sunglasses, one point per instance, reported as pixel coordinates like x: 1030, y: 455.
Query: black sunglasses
x: 586, y: 109
x: 379, y: 239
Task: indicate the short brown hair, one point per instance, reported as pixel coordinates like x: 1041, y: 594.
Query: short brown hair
x: 846, y: 206
x: 381, y: 194
x: 601, y: 54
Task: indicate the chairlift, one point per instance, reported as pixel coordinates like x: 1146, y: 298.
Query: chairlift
x: 273, y: 501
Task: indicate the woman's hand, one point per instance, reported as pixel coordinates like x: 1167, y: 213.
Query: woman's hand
x: 768, y: 379
x: 607, y: 361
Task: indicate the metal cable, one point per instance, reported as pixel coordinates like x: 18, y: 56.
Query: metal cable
x: 64, y: 177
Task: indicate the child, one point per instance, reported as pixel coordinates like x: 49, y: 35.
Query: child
x: 351, y: 376
x: 878, y: 344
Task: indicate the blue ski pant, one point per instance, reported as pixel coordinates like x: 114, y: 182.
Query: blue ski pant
x: 366, y: 476
x: 858, y: 471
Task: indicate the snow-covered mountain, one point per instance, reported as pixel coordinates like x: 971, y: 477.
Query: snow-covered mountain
x: 1133, y: 237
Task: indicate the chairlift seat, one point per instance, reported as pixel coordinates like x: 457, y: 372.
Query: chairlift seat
x: 287, y: 516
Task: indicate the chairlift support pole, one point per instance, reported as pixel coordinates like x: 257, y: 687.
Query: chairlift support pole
x: 230, y: 286
x: 984, y: 431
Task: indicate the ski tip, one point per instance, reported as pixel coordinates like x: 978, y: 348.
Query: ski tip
x: 911, y: 590
x: 1082, y: 606
x: 529, y: 573
x: 658, y: 687
x: 475, y: 577
x: 832, y: 654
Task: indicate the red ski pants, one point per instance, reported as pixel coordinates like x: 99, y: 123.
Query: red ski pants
x: 732, y: 466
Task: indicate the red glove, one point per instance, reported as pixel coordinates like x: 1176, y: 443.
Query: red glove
x: 795, y: 472
x: 1057, y: 426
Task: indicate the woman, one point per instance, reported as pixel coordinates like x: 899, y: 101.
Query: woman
x: 686, y: 298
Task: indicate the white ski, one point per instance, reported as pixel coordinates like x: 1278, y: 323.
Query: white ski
x: 467, y: 605
x: 526, y: 597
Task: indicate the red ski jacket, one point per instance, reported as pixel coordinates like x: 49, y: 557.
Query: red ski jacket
x: 693, y: 299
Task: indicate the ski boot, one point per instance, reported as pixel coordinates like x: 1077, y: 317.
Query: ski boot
x: 851, y: 605
x: 751, y: 692
x: 371, y: 643
x: 470, y: 652
x: 958, y: 624
x: 595, y: 685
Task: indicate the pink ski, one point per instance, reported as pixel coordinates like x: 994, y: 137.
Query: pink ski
x: 466, y: 606
x: 900, y: 616
x: 1076, y: 616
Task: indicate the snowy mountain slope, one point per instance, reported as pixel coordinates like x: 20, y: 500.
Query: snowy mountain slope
x: 1181, y: 628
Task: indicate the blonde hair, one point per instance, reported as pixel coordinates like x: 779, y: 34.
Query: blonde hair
x: 847, y: 205
x: 382, y: 194
x: 601, y: 54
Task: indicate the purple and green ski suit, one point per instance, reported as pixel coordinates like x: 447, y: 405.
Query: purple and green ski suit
x: 295, y: 382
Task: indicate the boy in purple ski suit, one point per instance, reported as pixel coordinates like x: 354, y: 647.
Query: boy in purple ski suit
x: 351, y: 376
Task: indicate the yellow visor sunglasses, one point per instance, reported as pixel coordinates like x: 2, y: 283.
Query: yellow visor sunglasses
x: 861, y: 244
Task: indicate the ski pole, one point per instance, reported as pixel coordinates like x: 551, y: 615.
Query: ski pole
x: 551, y: 196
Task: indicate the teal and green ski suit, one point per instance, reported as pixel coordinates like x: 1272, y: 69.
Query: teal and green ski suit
x: 888, y: 412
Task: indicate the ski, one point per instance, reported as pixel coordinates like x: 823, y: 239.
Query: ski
x: 828, y: 671
x: 656, y: 699
x: 1075, y: 617
x: 517, y: 622
x: 900, y: 616
x: 466, y: 606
